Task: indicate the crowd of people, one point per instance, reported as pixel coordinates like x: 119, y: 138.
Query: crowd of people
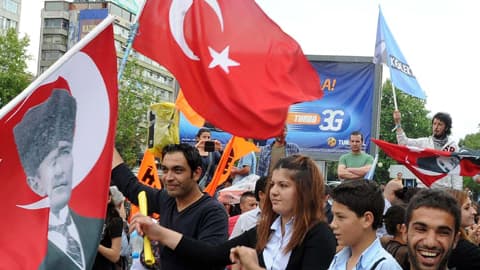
x: 292, y: 220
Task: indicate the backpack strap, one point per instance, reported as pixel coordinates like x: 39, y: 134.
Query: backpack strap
x: 376, y: 263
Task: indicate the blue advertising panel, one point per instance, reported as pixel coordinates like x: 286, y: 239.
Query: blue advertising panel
x: 324, y: 125
x: 88, y: 19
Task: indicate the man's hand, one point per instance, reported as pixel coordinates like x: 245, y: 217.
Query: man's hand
x: 246, y: 257
x: 397, y: 117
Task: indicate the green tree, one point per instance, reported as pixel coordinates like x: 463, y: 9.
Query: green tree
x: 471, y: 141
x: 415, y: 123
x: 13, y: 65
x: 134, y: 98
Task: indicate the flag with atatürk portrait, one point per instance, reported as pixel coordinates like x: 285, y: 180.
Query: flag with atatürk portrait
x: 430, y: 165
x: 57, y: 141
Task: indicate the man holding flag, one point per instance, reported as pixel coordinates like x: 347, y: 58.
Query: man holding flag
x: 181, y: 204
x: 439, y: 140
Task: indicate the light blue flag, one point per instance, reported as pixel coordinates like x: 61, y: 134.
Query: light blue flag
x: 388, y: 52
x: 371, y: 173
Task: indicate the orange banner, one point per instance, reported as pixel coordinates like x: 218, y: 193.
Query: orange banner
x: 235, y: 149
x: 192, y: 116
x: 147, y: 175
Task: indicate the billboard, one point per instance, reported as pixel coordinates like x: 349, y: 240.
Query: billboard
x: 322, y: 128
x: 88, y: 19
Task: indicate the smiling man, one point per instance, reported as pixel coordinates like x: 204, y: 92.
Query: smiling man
x: 44, y: 141
x: 433, y: 223
x: 181, y: 204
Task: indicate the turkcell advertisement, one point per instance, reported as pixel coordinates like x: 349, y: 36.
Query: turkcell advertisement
x: 323, y: 126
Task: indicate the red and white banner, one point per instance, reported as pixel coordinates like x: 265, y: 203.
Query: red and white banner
x: 430, y: 165
x: 236, y: 67
x: 88, y: 73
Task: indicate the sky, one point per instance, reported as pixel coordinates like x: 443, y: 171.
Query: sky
x: 439, y: 39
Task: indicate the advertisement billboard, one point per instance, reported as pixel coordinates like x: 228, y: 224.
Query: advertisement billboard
x: 321, y: 128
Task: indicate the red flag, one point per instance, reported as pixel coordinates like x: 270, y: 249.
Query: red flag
x: 430, y: 165
x: 82, y: 88
x: 236, y: 67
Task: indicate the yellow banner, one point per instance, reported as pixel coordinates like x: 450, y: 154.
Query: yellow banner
x: 147, y: 175
x: 163, y: 127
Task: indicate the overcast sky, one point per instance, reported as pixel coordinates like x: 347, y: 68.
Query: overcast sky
x: 439, y: 39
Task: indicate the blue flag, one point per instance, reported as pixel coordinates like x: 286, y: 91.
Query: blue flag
x: 388, y: 52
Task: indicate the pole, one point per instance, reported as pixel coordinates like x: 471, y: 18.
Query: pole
x: 394, y: 94
x: 40, y: 79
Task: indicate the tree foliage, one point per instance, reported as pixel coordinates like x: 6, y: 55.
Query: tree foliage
x: 415, y: 123
x: 13, y: 65
x: 471, y: 141
x: 134, y: 98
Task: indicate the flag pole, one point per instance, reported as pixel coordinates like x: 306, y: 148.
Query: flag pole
x: 55, y: 66
x: 131, y: 37
x: 394, y: 94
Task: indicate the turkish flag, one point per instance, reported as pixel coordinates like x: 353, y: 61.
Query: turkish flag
x: 236, y: 67
x: 87, y: 79
x: 430, y: 165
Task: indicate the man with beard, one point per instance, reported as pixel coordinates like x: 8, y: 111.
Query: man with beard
x: 356, y: 164
x: 275, y: 151
x: 439, y: 140
x: 433, y: 224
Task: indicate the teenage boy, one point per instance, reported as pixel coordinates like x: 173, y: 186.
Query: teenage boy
x: 357, y: 214
x: 433, y: 224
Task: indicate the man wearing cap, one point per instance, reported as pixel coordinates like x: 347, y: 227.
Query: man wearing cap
x: 44, y: 140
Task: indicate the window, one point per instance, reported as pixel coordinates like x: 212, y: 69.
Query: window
x: 55, y: 39
x: 51, y: 55
x: 118, y: 30
x: 11, y: 6
x: 56, y: 23
x: 56, y: 6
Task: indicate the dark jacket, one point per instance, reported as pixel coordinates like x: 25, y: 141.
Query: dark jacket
x: 315, y: 252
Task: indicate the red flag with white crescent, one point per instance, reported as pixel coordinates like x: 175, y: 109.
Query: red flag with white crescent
x: 56, y: 161
x: 236, y: 67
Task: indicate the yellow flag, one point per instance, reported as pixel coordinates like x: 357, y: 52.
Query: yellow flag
x: 163, y: 127
x: 192, y: 116
x: 235, y: 149
x: 147, y: 175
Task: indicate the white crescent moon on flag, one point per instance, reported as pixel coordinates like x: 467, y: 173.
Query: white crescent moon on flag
x: 93, y: 116
x: 176, y: 19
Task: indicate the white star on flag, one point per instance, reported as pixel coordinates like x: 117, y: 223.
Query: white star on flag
x: 221, y: 59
